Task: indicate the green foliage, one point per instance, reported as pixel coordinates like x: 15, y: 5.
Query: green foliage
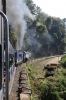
x: 26, y: 36
x: 63, y: 61
x: 55, y: 28
x: 48, y: 91
x: 41, y: 29
x: 31, y: 6
x: 48, y: 22
x: 51, y: 88
x: 12, y: 37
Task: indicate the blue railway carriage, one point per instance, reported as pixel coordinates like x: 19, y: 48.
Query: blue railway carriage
x: 18, y: 57
x: 11, y: 61
x: 1, y: 54
x: 1, y: 90
x: 7, y: 56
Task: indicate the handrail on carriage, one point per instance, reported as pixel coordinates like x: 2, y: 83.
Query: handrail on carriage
x: 6, y: 33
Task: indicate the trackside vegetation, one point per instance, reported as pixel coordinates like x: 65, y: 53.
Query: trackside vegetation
x: 47, y: 88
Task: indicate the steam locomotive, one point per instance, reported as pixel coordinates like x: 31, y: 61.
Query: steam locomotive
x: 9, y: 58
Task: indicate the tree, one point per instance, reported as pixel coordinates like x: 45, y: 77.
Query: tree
x: 48, y: 32
x: 12, y: 37
x: 48, y: 22
x: 41, y: 29
x: 58, y: 33
x: 31, y: 6
x: 48, y: 91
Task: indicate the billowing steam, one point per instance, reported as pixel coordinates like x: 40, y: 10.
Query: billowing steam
x: 27, y: 55
x: 16, y: 11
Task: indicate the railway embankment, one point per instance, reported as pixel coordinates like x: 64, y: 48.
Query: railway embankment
x: 24, y: 89
x: 20, y: 89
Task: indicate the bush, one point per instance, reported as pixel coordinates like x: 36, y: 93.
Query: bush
x: 48, y: 92
x: 63, y: 61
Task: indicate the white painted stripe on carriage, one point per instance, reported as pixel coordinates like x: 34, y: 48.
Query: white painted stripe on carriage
x: 12, y: 66
x: 11, y: 81
x: 12, y: 70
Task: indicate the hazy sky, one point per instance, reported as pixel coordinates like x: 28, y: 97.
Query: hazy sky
x: 55, y: 8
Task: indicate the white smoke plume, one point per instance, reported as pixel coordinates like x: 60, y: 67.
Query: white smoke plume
x: 16, y: 10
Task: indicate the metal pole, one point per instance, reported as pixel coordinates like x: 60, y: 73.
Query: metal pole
x: 58, y: 57
x: 6, y: 52
x: 4, y: 6
x: 7, y: 61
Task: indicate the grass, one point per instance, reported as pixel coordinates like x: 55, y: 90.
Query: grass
x: 35, y: 72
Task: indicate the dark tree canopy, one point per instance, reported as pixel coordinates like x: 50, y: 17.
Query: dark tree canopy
x: 49, y: 33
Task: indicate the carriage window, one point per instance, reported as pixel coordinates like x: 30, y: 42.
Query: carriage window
x: 20, y: 55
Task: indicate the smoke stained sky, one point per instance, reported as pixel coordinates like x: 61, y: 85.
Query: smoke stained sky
x: 56, y: 8
x: 16, y: 11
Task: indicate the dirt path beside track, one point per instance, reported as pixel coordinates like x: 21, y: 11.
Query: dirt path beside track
x: 14, y: 92
x: 54, y: 60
